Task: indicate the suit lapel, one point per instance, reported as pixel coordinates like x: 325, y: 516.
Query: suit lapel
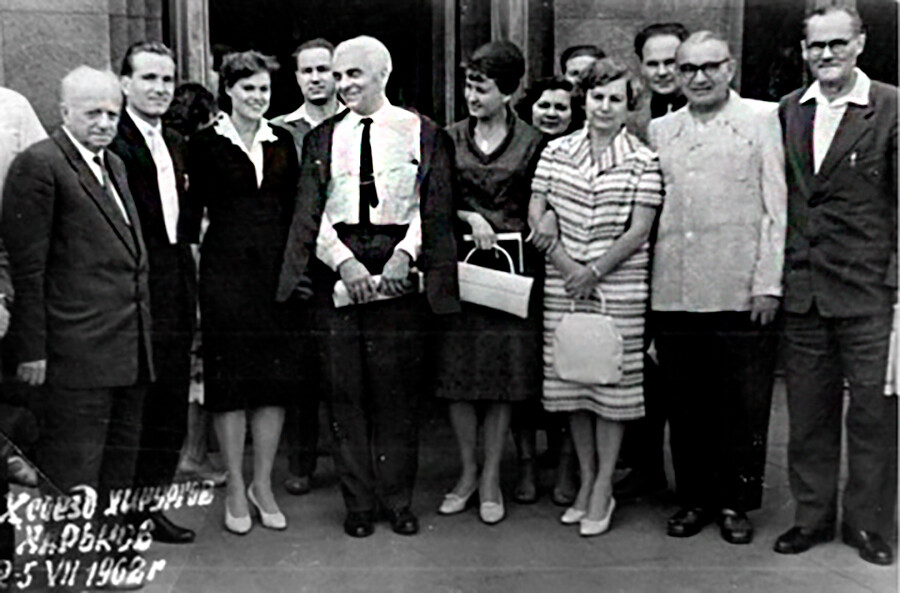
x: 95, y: 191
x: 854, y: 125
x: 803, y: 141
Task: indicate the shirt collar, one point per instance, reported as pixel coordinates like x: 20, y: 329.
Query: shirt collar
x: 300, y: 114
x: 354, y: 118
x: 85, y: 153
x: 225, y: 128
x: 141, y: 124
x: 858, y: 95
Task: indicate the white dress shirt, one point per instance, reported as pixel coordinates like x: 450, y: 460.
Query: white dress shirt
x: 97, y: 170
x: 830, y: 113
x: 165, y: 172
x: 394, y: 137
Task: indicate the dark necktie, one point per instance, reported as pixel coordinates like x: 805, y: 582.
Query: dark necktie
x: 367, y: 194
x: 108, y: 188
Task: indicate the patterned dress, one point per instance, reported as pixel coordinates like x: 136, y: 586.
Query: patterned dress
x: 594, y: 205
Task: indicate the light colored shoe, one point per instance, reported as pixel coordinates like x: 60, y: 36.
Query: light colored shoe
x: 492, y: 513
x: 276, y: 520
x: 454, y: 503
x: 237, y: 525
x: 590, y: 527
x: 572, y: 516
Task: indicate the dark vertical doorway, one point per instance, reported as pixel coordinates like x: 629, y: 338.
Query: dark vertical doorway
x: 772, y: 65
x: 276, y: 27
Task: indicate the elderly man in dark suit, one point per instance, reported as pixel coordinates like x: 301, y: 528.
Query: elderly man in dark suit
x: 839, y: 287
x: 375, y: 197
x: 81, y: 317
x: 154, y: 158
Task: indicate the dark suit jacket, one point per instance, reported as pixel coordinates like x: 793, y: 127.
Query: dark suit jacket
x: 841, y: 251
x: 173, y: 280
x: 79, y: 271
x: 436, y: 192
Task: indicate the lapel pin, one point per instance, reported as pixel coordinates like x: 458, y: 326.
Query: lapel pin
x: 853, y: 159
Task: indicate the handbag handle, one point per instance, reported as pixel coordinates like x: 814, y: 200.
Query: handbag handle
x: 602, y: 301
x: 512, y: 266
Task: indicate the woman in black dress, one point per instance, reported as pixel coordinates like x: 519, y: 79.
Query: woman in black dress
x: 490, y: 359
x: 244, y: 172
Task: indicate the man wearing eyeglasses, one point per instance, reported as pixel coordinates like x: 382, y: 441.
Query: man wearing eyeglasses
x: 840, y: 285
x: 715, y: 288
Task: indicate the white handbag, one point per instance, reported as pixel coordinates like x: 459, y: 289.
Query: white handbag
x: 503, y: 291
x: 588, y: 348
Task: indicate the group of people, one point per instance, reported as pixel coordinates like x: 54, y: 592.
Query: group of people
x: 705, y: 225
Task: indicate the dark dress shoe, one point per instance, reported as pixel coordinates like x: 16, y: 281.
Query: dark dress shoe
x: 688, y: 522
x: 298, y: 485
x: 735, y: 527
x: 403, y: 522
x: 797, y: 540
x: 359, y: 524
x: 638, y: 484
x: 166, y: 532
x: 872, y: 548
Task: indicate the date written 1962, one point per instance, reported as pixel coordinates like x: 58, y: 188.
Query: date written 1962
x: 110, y: 570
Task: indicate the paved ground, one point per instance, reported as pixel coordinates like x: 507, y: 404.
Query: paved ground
x: 529, y: 552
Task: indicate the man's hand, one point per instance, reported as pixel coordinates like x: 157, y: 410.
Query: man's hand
x: 358, y: 281
x: 395, y: 275
x: 580, y: 282
x: 482, y: 232
x: 33, y: 372
x: 546, y: 232
x: 763, y: 309
x: 4, y: 320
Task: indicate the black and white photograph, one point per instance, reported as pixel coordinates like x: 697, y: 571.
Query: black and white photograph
x: 449, y: 296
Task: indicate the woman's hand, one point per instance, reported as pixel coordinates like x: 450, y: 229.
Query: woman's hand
x: 580, y: 282
x: 546, y: 232
x: 482, y: 232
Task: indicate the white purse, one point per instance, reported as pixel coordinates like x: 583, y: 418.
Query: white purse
x: 503, y: 291
x: 588, y: 348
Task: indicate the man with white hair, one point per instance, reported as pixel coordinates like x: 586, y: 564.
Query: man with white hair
x: 375, y: 198
x: 81, y: 316
x: 716, y: 288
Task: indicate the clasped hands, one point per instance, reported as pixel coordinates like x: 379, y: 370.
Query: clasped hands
x: 362, y: 288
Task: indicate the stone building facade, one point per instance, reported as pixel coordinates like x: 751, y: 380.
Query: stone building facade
x: 40, y: 40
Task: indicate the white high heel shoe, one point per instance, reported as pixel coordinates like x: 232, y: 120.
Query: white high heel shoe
x: 237, y: 525
x: 572, y: 516
x: 590, y: 527
x: 276, y: 520
x: 454, y: 503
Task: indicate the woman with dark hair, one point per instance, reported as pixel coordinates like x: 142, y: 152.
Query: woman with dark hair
x: 490, y: 359
x: 193, y: 108
x: 606, y: 189
x: 554, y: 107
x: 551, y: 105
x: 244, y: 172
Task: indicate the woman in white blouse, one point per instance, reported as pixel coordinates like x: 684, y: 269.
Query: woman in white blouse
x: 244, y: 172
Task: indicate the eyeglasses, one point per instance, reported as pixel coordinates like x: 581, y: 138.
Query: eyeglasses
x: 837, y: 46
x: 709, y: 68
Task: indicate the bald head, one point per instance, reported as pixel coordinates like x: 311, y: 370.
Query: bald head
x: 90, y: 103
x: 361, y: 68
x: 704, y: 38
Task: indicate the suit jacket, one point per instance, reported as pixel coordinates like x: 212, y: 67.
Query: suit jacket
x: 173, y: 275
x: 841, y: 250
x: 436, y: 194
x: 79, y: 270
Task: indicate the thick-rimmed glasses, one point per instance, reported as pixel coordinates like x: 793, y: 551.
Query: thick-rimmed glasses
x: 709, y: 69
x: 837, y: 46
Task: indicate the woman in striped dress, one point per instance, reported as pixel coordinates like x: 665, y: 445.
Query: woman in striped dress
x: 605, y: 187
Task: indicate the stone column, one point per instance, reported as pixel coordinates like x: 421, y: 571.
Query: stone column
x: 42, y: 40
